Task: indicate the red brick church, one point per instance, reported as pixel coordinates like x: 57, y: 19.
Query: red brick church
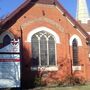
x: 41, y: 36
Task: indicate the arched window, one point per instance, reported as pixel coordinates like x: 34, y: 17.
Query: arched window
x: 75, y: 52
x: 6, y: 40
x: 43, y: 49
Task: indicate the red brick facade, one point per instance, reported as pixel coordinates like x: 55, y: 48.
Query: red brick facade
x: 51, y: 19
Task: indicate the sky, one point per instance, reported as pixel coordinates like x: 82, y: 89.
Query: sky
x: 70, y: 6
x: 7, y: 6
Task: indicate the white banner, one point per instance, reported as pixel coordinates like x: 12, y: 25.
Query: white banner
x: 10, y: 65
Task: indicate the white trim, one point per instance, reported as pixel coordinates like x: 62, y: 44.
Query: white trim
x: 70, y: 21
x: 73, y: 24
x: 57, y: 39
x: 88, y: 33
x: 80, y: 33
x: 60, y: 10
x: 39, y: 53
x: 50, y: 68
x: 56, y: 55
x: 75, y: 68
x: 75, y: 37
x: 47, y: 52
x: 89, y: 55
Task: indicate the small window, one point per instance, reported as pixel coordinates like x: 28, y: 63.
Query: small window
x: 6, y: 40
x: 75, y: 52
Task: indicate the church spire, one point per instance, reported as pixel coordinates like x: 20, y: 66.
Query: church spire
x: 82, y: 11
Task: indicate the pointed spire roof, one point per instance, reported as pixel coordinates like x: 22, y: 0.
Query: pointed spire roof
x: 82, y: 11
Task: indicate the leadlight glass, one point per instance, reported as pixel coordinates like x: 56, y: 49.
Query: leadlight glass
x: 75, y: 52
x: 43, y: 49
x: 51, y: 46
x: 35, y: 51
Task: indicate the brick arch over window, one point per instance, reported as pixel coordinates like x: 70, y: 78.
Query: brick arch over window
x: 79, y: 42
x: 57, y: 39
x: 43, y: 43
x: 6, y: 33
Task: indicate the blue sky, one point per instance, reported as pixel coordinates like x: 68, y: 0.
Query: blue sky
x: 70, y: 5
x: 7, y: 6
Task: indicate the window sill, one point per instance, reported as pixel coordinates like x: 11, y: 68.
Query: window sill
x: 75, y: 68
x: 47, y: 68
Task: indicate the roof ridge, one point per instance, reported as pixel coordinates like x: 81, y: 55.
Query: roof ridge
x: 32, y: 2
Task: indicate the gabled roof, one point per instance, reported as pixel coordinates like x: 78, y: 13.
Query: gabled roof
x: 12, y: 18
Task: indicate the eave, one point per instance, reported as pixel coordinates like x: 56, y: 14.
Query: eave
x: 13, y: 17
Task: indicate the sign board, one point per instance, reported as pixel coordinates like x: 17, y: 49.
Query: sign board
x: 10, y: 65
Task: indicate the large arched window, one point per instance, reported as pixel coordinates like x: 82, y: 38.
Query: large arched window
x: 6, y: 40
x: 75, y: 52
x: 43, y: 49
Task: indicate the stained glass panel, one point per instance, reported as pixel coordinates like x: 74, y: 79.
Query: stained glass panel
x: 51, y: 44
x: 35, y: 51
x: 43, y: 51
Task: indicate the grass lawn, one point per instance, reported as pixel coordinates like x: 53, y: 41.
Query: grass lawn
x: 86, y: 87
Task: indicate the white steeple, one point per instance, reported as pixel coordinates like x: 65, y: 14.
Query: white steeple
x: 82, y: 11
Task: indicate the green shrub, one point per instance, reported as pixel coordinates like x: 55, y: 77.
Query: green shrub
x: 72, y: 80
